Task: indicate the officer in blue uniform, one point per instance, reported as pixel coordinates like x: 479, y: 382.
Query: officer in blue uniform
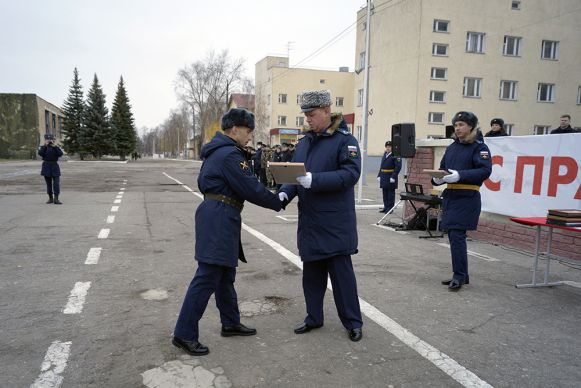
x: 50, y: 154
x: 387, y: 177
x: 327, y: 228
x: 468, y: 162
x: 226, y: 180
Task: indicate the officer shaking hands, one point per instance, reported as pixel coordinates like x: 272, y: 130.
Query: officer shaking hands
x: 226, y: 180
x: 51, y: 171
x: 327, y: 228
x: 468, y: 161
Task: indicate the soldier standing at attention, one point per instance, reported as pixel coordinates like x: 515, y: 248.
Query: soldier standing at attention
x: 226, y: 180
x: 387, y: 177
x: 468, y: 161
x: 51, y: 171
x: 327, y: 229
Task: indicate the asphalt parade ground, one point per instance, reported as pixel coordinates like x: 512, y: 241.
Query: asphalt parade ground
x: 90, y: 291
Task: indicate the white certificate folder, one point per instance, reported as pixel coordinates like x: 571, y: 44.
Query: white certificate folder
x: 286, y: 172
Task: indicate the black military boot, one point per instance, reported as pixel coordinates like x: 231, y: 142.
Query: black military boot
x: 56, y: 200
x: 50, y: 199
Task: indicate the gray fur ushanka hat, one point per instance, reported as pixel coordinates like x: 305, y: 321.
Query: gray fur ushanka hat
x: 312, y: 100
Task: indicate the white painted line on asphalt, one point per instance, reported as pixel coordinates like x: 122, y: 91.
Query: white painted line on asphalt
x: 439, y: 359
x: 93, y: 256
x: 121, y: 193
x: 117, y: 201
x: 368, y: 207
x: 123, y: 188
x: 390, y: 229
x: 118, y: 197
x: 572, y: 283
x: 104, y: 233
x: 471, y: 253
x: 77, y: 298
x: 55, y: 362
x: 110, y: 219
x: 289, y: 218
x: 184, y: 186
x: 114, y: 209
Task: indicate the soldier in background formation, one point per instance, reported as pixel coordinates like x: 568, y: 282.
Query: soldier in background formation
x: 496, y: 128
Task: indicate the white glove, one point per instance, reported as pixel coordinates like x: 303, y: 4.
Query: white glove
x: 391, y: 180
x: 378, y: 179
x: 453, y: 177
x: 438, y: 181
x: 306, y: 180
x: 282, y: 196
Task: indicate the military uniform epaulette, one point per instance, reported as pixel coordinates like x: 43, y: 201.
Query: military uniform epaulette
x: 344, y: 131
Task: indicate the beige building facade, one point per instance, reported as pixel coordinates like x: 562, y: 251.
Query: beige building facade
x: 278, y: 89
x: 517, y: 60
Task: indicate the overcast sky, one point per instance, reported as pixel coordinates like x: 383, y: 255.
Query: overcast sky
x: 148, y: 41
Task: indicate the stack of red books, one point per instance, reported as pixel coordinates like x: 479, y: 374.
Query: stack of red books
x: 564, y: 217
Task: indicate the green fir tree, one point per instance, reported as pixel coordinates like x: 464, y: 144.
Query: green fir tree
x: 96, y: 137
x: 122, y: 123
x: 73, y: 108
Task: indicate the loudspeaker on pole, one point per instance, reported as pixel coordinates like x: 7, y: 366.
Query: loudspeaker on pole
x: 403, y: 140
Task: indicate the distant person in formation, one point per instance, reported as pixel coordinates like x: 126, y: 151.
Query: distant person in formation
x: 564, y: 126
x: 256, y: 159
x: 50, y: 153
x: 387, y: 177
x: 226, y: 180
x: 327, y: 229
x: 468, y: 162
x: 496, y: 128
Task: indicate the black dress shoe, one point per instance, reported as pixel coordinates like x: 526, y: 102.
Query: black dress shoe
x: 455, y: 285
x: 193, y: 348
x: 383, y: 211
x: 304, y: 328
x: 240, y: 329
x: 447, y: 282
x: 355, y: 334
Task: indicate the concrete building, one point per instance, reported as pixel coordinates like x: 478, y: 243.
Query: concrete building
x: 24, y: 120
x: 278, y: 88
x: 518, y: 60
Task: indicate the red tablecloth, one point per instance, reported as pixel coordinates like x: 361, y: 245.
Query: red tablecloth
x: 542, y: 221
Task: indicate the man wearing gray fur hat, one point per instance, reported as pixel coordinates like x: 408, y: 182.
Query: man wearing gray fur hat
x: 327, y: 229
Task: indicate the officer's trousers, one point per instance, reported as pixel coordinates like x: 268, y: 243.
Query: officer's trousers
x: 459, y: 252
x: 209, y: 279
x: 388, y: 198
x: 340, y: 270
x: 53, y: 185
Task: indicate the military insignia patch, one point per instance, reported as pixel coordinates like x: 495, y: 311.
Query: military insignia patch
x: 244, y: 165
x: 484, y: 155
x: 352, y: 151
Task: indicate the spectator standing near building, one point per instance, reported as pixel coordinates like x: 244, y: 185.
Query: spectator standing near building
x: 226, y: 180
x: 468, y: 162
x: 327, y: 227
x: 50, y: 153
x: 564, y: 126
x: 387, y: 177
x: 496, y: 128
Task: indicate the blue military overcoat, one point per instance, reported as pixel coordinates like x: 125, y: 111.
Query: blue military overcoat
x: 50, y: 156
x: 327, y: 222
x: 389, y: 162
x: 225, y: 171
x: 472, y: 160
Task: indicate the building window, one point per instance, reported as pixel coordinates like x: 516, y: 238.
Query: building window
x: 472, y: 87
x: 436, y: 117
x: 362, y: 60
x: 550, y: 50
x: 437, y: 96
x: 298, y: 99
x: 359, y: 130
x: 46, y: 121
x: 282, y: 98
x: 268, y: 100
x: 53, y: 116
x: 508, y: 90
x: 515, y: 4
x: 441, y: 25
x: 360, y: 97
x: 440, y: 49
x: 541, y: 130
x: 282, y: 120
x: 363, y: 26
x: 546, y: 93
x: 579, y: 95
x: 338, y: 101
x: 511, y: 46
x: 475, y: 42
x: 321, y: 81
x: 509, y: 128
x: 439, y: 73
x: 300, y: 121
